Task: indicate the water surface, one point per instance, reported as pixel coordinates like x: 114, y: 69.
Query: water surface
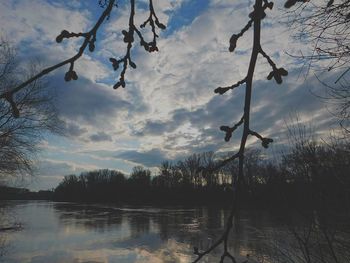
x: 68, y: 232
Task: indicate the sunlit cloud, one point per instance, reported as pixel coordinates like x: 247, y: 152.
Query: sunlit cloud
x: 168, y: 108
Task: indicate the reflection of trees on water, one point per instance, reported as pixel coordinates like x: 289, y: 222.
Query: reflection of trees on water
x: 88, y: 217
x: 140, y: 224
x: 195, y: 227
x: 269, y: 237
x: 2, y: 234
x: 319, y: 235
x: 8, y: 223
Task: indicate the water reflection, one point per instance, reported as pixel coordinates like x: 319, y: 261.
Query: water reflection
x: 66, y: 232
x: 85, y: 217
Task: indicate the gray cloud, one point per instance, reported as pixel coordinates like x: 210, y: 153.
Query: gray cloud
x: 83, y: 100
x: 100, y: 137
x: 52, y: 168
x: 152, y: 127
x: 73, y: 130
x: 150, y: 158
x: 272, y: 105
x: 177, y: 82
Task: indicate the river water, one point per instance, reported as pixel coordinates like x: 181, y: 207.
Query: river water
x: 68, y: 232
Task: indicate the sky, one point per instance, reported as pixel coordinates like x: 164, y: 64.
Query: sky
x: 168, y: 109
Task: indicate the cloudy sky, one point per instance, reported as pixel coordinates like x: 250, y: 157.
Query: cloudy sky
x: 168, y: 108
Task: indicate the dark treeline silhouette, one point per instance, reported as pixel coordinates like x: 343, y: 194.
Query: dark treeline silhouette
x: 14, y: 193
x: 310, y: 173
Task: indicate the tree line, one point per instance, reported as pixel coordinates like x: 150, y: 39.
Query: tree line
x: 310, y: 173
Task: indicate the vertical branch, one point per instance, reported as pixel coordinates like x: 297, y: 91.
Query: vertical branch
x: 249, y: 85
x: 256, y: 17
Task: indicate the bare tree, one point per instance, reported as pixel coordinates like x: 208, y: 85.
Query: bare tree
x: 210, y: 176
x: 325, y: 26
x: 338, y: 97
x: 19, y: 135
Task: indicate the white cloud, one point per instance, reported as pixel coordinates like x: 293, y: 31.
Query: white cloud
x: 169, y: 97
x: 38, y: 20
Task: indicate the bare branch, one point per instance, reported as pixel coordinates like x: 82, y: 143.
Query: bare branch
x: 255, y: 18
x: 230, y: 130
x: 222, y: 90
x: 89, y: 41
x: 276, y: 73
x: 153, y: 21
x: 264, y: 141
x: 19, y: 135
x: 90, y: 38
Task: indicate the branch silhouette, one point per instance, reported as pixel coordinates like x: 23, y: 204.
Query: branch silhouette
x: 89, y: 42
x: 324, y: 25
x: 255, y: 20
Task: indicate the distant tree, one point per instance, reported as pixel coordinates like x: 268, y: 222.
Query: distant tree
x: 98, y: 185
x: 164, y: 178
x: 321, y: 168
x: 117, y: 178
x: 140, y: 177
x: 169, y: 175
x: 20, y: 135
x: 209, y: 173
x: 192, y: 168
x: 71, y: 188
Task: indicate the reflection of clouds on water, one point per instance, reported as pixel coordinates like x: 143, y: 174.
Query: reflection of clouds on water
x: 78, y: 233
x: 169, y: 235
x: 9, y: 224
x: 87, y: 217
x: 77, y: 256
x: 170, y: 251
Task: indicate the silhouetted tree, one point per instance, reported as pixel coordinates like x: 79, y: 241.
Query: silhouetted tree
x: 325, y: 26
x: 98, y: 185
x: 71, y: 188
x: 315, y: 169
x: 169, y: 176
x: 191, y: 168
x: 209, y: 173
x: 303, y: 178
x: 20, y: 135
x: 140, y: 177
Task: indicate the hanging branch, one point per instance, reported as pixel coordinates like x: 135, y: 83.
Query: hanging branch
x: 129, y: 38
x: 230, y: 130
x: 89, y: 42
x: 255, y: 19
